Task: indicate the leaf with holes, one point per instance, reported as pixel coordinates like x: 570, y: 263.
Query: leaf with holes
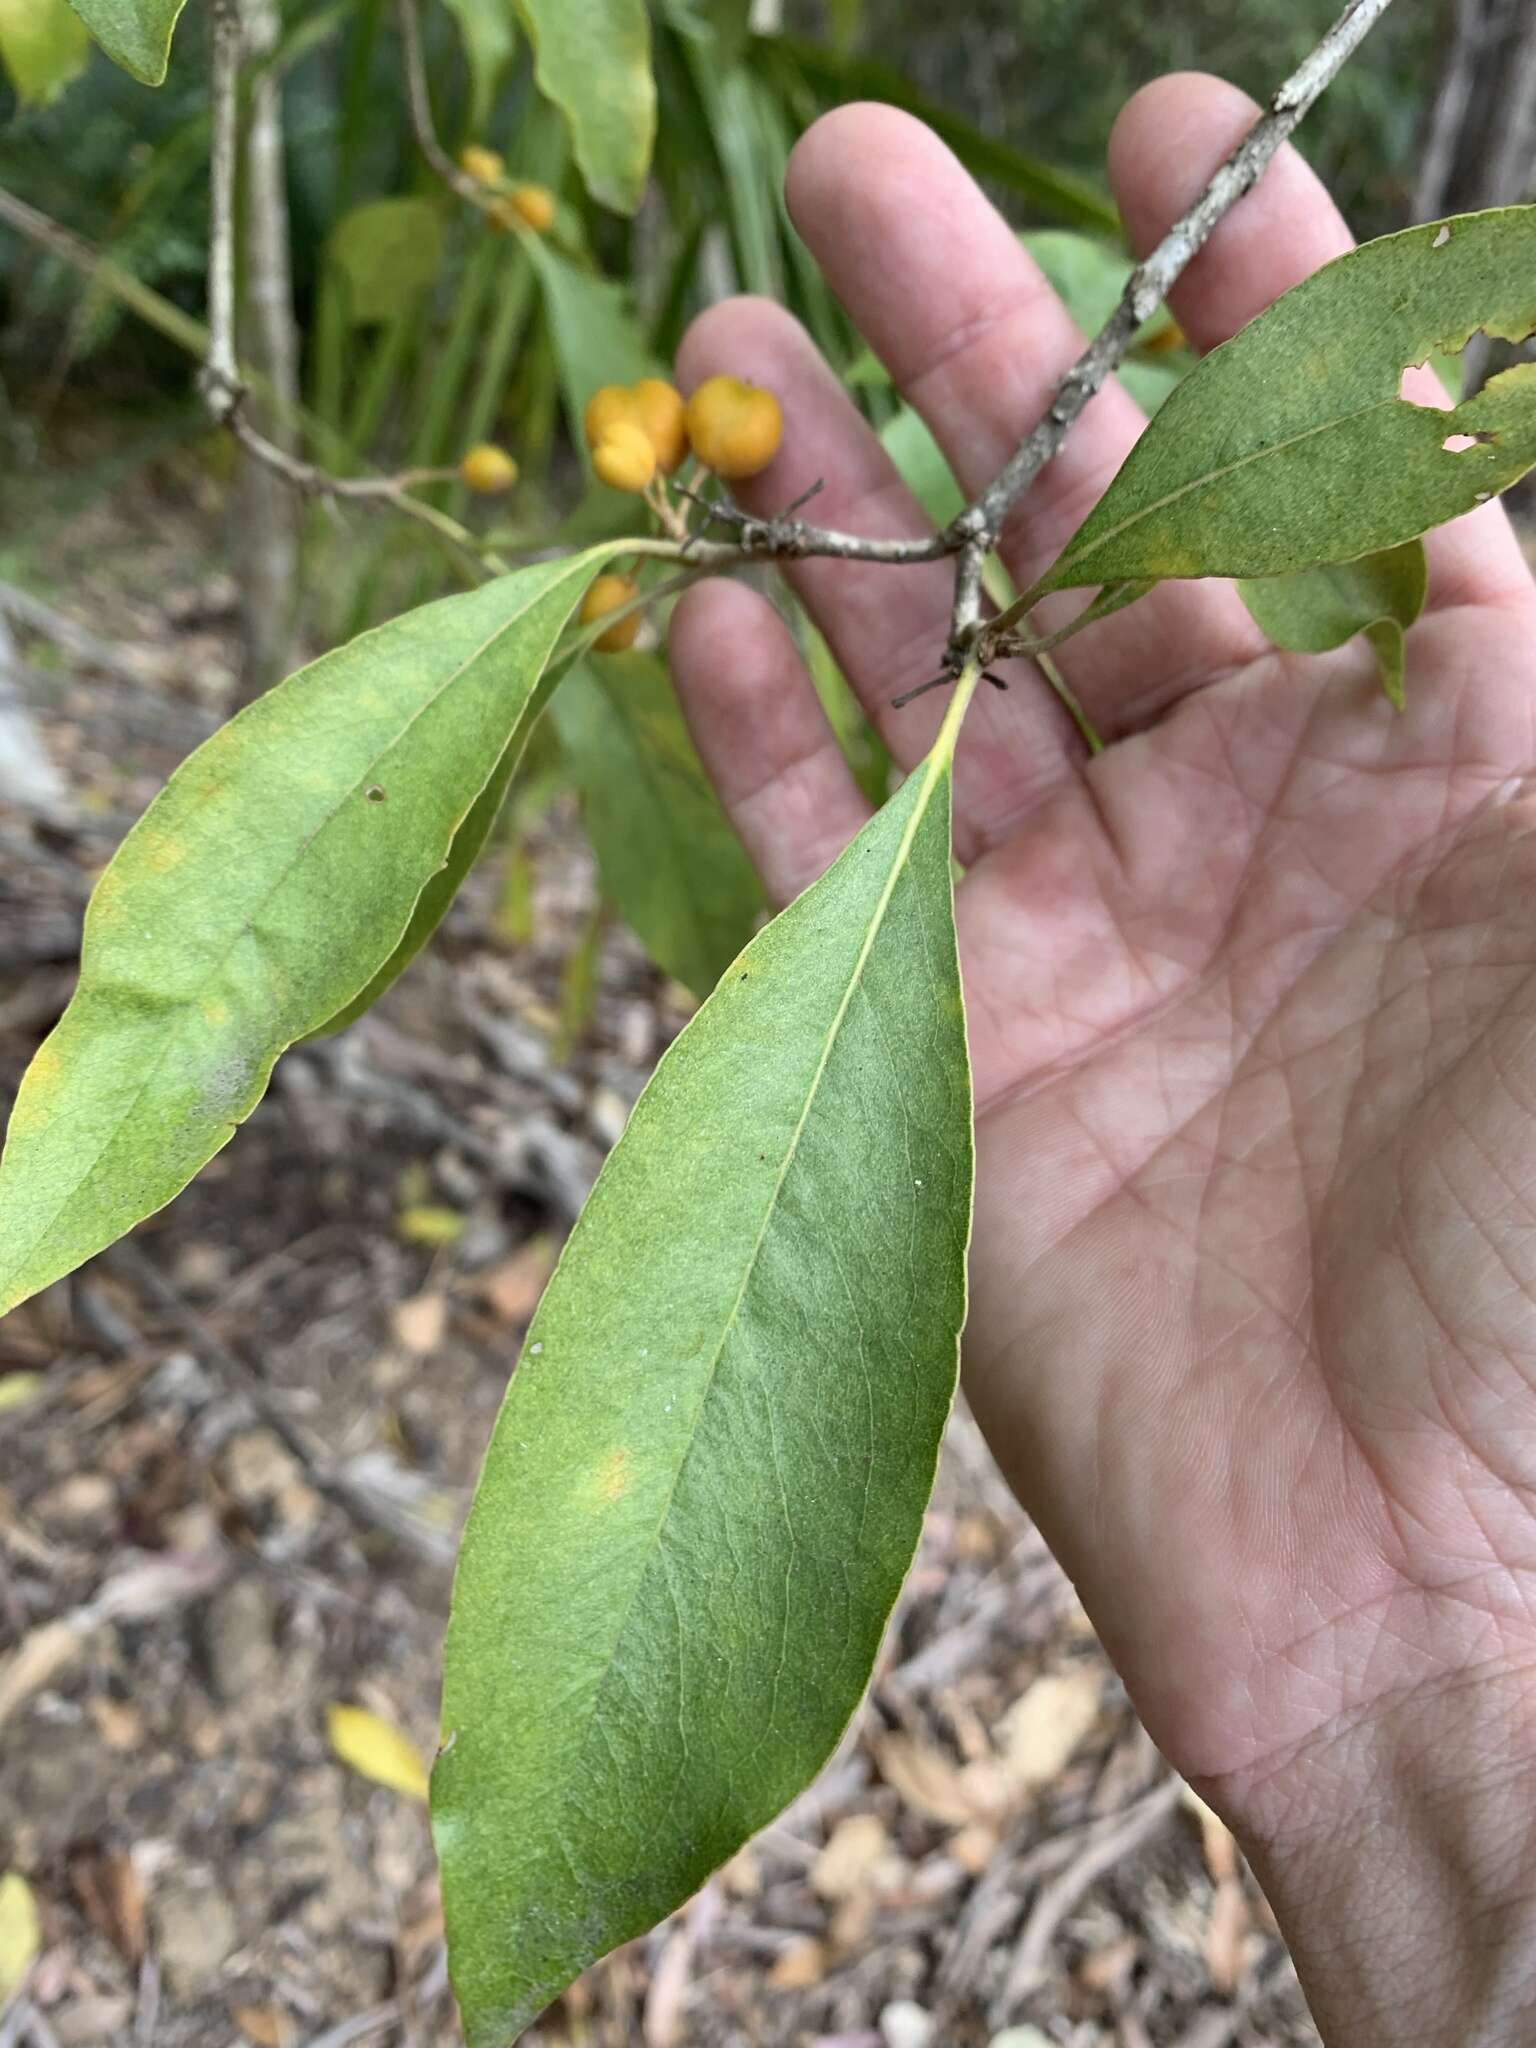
x: 668, y: 858
x: 594, y: 62
x: 265, y: 885
x: 134, y: 33
x: 1290, y: 446
x: 1316, y: 610
x: 709, y: 1474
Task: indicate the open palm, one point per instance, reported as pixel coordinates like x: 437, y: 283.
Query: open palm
x: 1252, y: 1003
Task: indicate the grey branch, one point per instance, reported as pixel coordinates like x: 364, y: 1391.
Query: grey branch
x: 1152, y: 279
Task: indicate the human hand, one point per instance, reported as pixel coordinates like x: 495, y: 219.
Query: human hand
x: 1250, y: 998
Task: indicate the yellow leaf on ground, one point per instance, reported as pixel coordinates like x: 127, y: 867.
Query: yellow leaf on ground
x: 431, y: 1224
x: 18, y: 1388
x: 376, y: 1750
x: 21, y: 1932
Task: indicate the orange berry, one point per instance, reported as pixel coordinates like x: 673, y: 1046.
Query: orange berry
x: 605, y: 596
x: 735, y: 428
x: 663, y: 416
x: 483, y: 165
x: 624, y: 458
x: 488, y: 469
x: 534, y: 206
x: 606, y: 408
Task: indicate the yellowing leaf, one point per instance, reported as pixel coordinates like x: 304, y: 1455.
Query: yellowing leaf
x: 268, y: 882
x: 374, y: 1749
x: 44, y: 46
x: 21, y: 1932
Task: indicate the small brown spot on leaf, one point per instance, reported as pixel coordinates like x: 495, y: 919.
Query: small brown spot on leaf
x: 376, y: 795
x: 614, y: 1476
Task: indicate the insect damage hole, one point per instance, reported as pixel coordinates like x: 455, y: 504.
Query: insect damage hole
x: 1458, y: 444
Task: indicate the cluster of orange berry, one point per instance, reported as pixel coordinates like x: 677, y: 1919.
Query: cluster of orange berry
x: 636, y: 430
x: 528, y: 206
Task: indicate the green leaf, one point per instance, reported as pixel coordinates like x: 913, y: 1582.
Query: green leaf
x: 709, y: 1474
x: 924, y: 470
x: 262, y: 888
x: 44, y: 47
x: 596, y: 335
x: 594, y: 62
x: 489, y: 38
x: 1289, y: 445
x: 134, y: 33
x: 389, y: 253
x: 669, y: 860
x: 1056, y: 194
x: 1316, y: 610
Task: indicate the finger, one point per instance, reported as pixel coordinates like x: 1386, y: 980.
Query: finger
x: 762, y: 735
x: 978, y: 341
x: 1168, y: 140
x: 886, y: 624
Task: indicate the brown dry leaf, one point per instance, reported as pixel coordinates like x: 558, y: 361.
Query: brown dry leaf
x: 663, y: 2013
x: 926, y: 1779
x: 21, y: 1931
x: 851, y: 1923
x: 513, y: 1287
x: 111, y: 1896
x: 1040, y: 1731
x: 377, y: 1750
x: 1215, y: 1838
x: 802, y: 1964
x: 1104, y: 1969
x: 419, y: 1324
x: 41, y: 1656
x: 853, y: 1853
x: 742, y: 1877
x: 975, y: 1846
x: 119, y: 1724
x: 1226, y: 1937
x: 266, y: 2025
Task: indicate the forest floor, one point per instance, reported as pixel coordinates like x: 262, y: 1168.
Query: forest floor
x: 234, y: 1454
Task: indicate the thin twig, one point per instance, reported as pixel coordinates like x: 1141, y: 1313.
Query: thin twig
x: 222, y: 386
x: 1121, y: 1836
x: 419, y: 98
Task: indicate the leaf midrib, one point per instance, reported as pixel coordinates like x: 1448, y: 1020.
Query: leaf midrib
x: 244, y: 930
x: 935, y: 768
x: 1214, y: 476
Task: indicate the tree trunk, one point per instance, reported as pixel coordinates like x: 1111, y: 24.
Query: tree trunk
x: 1480, y: 148
x: 265, y: 513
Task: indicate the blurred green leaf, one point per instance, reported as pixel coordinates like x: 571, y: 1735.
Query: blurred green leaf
x: 389, y: 253
x: 668, y: 859
x: 489, y: 37
x: 262, y: 888
x: 134, y: 33
x: 709, y: 1474
x: 596, y: 335
x: 1057, y: 194
x: 1316, y: 610
x: 593, y: 60
x: 44, y: 46
x: 920, y: 459
x: 1289, y: 446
